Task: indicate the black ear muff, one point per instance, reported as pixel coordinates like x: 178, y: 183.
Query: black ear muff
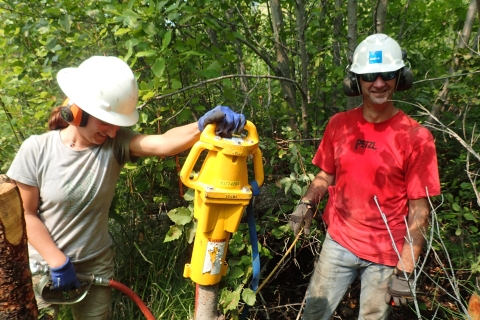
x: 350, y: 85
x: 350, y: 82
x: 405, y: 76
x: 405, y: 79
x: 73, y: 114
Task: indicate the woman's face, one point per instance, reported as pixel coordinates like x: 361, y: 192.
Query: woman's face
x: 97, y: 131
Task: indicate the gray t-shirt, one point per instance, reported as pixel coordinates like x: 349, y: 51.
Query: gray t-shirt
x: 76, y: 189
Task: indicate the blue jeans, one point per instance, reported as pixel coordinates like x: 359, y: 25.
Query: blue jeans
x: 335, y: 270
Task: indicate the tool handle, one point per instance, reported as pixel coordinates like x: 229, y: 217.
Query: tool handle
x: 209, y: 131
x: 258, y: 167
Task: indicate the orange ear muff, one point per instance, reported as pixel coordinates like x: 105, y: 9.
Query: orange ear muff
x: 73, y: 114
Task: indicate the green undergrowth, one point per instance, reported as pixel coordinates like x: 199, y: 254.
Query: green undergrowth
x: 151, y: 268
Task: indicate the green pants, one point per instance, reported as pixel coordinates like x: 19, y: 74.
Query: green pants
x: 96, y: 304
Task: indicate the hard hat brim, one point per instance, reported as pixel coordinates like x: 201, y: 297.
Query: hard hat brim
x: 378, y: 68
x: 70, y: 80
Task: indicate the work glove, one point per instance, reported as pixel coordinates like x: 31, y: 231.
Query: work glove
x: 399, y: 291
x: 64, y: 278
x: 302, y: 214
x: 227, y: 121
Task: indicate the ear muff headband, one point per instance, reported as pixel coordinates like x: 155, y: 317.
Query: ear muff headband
x: 73, y: 114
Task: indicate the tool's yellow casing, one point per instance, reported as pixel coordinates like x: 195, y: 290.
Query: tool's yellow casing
x: 222, y: 192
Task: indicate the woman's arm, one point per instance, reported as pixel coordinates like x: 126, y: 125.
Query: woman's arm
x: 37, y: 234
x: 170, y: 143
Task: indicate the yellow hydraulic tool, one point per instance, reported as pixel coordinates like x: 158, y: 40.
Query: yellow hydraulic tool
x: 222, y: 192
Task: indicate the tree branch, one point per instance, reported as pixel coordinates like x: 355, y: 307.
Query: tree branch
x: 160, y: 97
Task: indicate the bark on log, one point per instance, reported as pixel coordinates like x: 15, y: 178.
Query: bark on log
x: 17, y: 300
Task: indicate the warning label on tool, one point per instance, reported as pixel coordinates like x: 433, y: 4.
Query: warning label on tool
x: 213, y: 256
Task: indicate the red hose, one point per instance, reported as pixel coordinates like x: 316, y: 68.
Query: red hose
x: 132, y: 295
x: 196, y: 298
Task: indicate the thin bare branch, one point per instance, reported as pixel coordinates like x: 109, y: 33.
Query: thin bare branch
x: 199, y: 84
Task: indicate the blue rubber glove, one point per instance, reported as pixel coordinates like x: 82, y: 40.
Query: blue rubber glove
x: 227, y: 121
x: 64, y: 277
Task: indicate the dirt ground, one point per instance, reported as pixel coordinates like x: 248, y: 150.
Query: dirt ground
x: 283, y: 297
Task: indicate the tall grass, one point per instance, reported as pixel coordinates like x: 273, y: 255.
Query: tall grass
x: 151, y: 268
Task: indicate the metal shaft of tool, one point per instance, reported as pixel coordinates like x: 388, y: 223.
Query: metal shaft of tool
x: 206, y: 303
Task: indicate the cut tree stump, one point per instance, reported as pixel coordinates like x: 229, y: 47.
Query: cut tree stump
x: 17, y: 300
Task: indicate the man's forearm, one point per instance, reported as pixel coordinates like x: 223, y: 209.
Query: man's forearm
x: 417, y: 225
x: 319, y: 187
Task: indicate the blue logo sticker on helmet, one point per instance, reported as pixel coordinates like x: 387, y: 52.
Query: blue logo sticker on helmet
x: 374, y: 57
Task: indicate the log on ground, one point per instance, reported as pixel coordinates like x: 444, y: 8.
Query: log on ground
x: 17, y: 300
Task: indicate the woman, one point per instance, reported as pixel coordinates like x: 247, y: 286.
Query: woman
x: 67, y: 176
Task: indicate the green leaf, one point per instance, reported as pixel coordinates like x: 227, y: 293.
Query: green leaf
x: 174, y: 233
x: 159, y: 67
x: 143, y: 118
x: 231, y: 301
x: 235, y: 247
x: 191, y: 230
x: 192, y: 53
x: 148, y: 95
x: 456, y: 207
x: 130, y: 14
x: 176, y: 84
x: 149, y: 28
x: 189, y: 195
x: 147, y: 53
x: 465, y: 185
x: 65, y: 22
x: 297, y: 189
x: 235, y: 273
x: 248, y: 295
x: 246, y: 260
x: 130, y: 166
x: 278, y: 233
x: 17, y: 70
x: 132, y: 43
x: 470, y: 217
x: 166, y: 39
x: 180, y: 216
x: 122, y: 31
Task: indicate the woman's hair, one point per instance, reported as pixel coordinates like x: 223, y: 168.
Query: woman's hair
x: 56, y: 122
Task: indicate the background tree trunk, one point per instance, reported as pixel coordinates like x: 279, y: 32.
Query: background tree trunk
x: 352, y: 102
x: 301, y: 23
x: 17, y: 300
x: 336, y: 52
x: 461, y: 43
x: 380, y: 16
x: 283, y: 64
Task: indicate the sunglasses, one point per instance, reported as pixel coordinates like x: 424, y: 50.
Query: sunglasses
x: 371, y: 77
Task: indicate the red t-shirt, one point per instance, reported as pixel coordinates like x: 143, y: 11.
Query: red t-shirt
x: 394, y: 161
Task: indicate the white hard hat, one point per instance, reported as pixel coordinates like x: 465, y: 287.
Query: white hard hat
x: 105, y: 87
x: 377, y: 53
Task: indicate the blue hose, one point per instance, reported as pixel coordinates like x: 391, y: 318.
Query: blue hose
x: 254, y: 240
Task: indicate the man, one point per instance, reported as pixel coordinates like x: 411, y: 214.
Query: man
x: 373, y: 160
